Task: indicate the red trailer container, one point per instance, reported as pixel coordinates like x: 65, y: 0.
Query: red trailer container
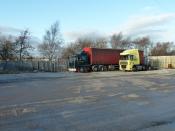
x: 141, y: 55
x: 103, y: 56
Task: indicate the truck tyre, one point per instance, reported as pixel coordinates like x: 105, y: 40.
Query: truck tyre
x: 149, y: 67
x: 78, y: 70
x: 101, y: 68
x: 95, y: 68
x: 88, y: 69
x: 134, y: 68
x: 85, y: 69
x: 105, y: 68
x: 143, y: 68
x: 81, y: 69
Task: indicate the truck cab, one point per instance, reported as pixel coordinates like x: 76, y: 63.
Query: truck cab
x: 131, y: 60
x: 78, y: 61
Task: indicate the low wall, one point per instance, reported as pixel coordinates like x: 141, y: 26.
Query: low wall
x: 162, y: 61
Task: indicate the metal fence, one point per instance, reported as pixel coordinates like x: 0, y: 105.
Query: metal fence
x: 162, y: 61
x: 45, y: 66
x: 60, y: 66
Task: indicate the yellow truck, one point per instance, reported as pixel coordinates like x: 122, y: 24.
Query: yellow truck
x: 132, y: 60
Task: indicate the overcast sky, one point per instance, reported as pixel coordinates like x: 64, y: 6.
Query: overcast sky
x: 155, y: 18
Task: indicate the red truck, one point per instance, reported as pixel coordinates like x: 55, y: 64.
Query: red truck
x: 95, y: 59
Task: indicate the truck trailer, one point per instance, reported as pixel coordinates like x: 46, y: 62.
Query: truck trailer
x: 95, y: 59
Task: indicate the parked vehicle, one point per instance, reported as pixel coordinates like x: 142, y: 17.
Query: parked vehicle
x: 133, y: 60
x: 95, y: 59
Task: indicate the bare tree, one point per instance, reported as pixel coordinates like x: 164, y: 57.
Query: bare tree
x: 7, y: 48
x: 101, y: 42
x: 126, y: 43
x: 161, y: 49
x: 80, y: 43
x: 51, y: 43
x: 142, y: 43
x: 118, y: 41
x: 96, y: 42
x: 69, y: 50
x: 23, y: 44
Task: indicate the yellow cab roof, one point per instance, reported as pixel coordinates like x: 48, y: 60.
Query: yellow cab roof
x: 129, y: 52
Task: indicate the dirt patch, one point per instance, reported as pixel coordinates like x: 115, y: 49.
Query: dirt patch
x: 142, y: 83
x: 94, y: 86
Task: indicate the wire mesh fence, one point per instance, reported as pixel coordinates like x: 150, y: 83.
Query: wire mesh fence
x: 62, y: 65
x: 29, y: 66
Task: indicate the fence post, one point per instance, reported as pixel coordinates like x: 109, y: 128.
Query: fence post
x: 38, y: 65
x: 55, y: 66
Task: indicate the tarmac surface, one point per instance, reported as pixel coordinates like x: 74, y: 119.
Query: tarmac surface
x: 102, y: 101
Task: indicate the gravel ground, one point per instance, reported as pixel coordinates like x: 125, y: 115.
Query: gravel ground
x: 102, y: 101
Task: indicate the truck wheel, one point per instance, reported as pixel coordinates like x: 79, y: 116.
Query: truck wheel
x: 85, y: 69
x: 101, y: 68
x: 95, y: 68
x: 105, y: 68
x: 143, y: 68
x: 78, y: 70
x: 81, y: 69
x: 149, y: 67
x: 134, y: 68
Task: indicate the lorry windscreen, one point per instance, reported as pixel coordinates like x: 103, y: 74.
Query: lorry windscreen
x: 83, y: 57
x: 127, y: 57
x: 124, y: 57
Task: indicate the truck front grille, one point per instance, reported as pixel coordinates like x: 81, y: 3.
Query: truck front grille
x: 123, y: 63
x: 123, y: 66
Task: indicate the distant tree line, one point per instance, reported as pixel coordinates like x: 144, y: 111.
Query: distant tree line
x: 119, y: 41
x: 80, y: 43
x: 51, y: 48
x: 163, y: 49
x: 15, y: 48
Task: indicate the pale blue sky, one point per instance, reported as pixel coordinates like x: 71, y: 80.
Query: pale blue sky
x: 77, y: 17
